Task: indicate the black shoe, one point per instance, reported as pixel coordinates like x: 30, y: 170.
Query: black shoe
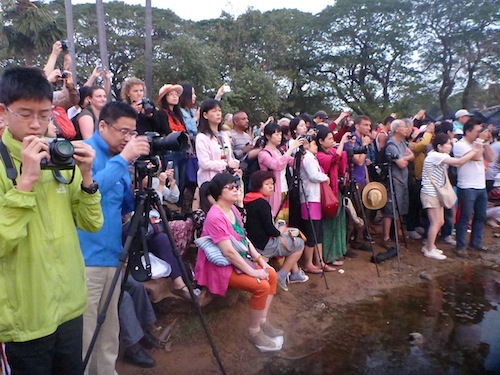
x: 149, y: 341
x: 361, y: 246
x: 461, y: 252
x: 351, y: 254
x: 139, y: 357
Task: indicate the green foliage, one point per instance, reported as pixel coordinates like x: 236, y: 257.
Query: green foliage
x: 376, y: 57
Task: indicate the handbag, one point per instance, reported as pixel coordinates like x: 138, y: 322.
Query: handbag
x: 445, y: 193
x: 293, y: 233
x: 329, y: 201
x: 192, y: 170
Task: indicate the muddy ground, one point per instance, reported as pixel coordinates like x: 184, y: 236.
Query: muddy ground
x: 306, y: 312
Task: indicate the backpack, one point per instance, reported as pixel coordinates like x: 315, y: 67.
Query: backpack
x: 63, y: 123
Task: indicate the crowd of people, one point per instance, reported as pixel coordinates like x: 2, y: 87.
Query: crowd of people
x: 258, y: 191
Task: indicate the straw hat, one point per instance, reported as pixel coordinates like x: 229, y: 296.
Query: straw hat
x: 165, y: 89
x: 374, y: 196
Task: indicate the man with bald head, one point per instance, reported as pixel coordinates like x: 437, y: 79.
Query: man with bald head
x: 400, y: 156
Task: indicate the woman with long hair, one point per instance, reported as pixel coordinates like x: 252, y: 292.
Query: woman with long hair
x: 271, y: 158
x: 213, y: 149
x: 187, y: 102
x: 434, y: 173
x: 88, y: 119
x: 332, y: 161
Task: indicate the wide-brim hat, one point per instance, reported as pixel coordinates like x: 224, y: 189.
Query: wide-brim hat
x: 165, y: 89
x: 374, y: 196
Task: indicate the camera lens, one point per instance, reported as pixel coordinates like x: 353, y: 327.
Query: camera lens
x: 61, y: 150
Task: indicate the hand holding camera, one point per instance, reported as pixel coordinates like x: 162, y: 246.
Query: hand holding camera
x: 135, y: 147
x: 84, y: 156
x: 33, y: 150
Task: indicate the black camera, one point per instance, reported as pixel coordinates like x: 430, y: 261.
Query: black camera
x: 65, y: 45
x: 360, y: 150
x: 307, y: 137
x: 64, y: 75
x: 176, y: 141
x: 147, y: 106
x: 61, y: 155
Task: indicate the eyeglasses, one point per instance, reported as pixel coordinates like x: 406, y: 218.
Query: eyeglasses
x: 124, y: 132
x: 25, y: 117
x: 232, y: 186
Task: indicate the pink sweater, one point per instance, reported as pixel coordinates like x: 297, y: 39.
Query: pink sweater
x: 210, y: 161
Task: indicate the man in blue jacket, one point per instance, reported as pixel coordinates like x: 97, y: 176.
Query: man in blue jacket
x: 116, y: 145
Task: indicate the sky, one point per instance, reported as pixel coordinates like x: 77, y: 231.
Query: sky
x: 197, y: 10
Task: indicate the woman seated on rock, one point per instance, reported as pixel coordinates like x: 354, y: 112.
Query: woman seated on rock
x: 271, y: 241
x: 224, y: 226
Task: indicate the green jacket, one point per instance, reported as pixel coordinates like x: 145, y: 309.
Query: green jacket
x: 42, y: 273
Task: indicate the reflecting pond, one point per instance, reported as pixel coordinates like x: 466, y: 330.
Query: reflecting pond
x: 450, y: 325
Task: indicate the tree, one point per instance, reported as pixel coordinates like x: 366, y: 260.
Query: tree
x: 30, y: 28
x: 456, y: 36
x: 70, y: 32
x: 365, y: 53
x: 148, y: 53
x: 101, y: 29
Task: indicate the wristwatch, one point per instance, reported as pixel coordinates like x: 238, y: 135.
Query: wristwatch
x: 92, y: 189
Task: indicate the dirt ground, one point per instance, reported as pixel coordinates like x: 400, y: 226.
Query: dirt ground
x: 305, y: 312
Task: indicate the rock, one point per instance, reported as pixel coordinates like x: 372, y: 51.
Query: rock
x: 425, y: 276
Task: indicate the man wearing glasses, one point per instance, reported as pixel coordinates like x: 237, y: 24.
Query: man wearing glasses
x: 116, y: 145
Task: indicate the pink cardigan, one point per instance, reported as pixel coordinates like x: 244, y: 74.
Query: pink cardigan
x: 209, y: 156
x: 273, y: 160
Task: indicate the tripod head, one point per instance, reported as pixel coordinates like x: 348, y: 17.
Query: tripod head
x: 146, y: 167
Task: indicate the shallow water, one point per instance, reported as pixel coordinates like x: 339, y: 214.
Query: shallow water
x: 457, y: 315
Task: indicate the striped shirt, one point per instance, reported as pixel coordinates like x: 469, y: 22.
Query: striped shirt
x: 433, y: 166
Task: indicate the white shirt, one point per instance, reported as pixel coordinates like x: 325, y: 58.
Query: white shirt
x: 471, y: 175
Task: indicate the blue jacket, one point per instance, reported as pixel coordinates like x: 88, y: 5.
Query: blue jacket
x: 102, y: 249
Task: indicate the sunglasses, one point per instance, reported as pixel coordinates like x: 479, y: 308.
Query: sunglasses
x: 232, y: 185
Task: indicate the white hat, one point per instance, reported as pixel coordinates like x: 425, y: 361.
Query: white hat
x: 463, y: 112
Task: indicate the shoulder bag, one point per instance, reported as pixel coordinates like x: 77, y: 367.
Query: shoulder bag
x: 445, y: 193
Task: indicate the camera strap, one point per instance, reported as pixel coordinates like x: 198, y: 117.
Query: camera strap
x: 9, y: 164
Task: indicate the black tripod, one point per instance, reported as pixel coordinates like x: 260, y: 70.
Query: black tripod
x: 145, y: 200
x: 394, y: 203
x: 353, y: 194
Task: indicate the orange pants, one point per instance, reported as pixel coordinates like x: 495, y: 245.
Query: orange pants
x: 259, y: 291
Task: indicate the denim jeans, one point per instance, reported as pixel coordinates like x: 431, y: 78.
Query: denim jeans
x: 471, y: 201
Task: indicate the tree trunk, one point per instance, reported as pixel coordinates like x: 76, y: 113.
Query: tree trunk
x: 70, y: 32
x: 101, y: 29
x: 149, y: 49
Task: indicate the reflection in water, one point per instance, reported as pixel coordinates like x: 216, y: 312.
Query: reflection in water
x: 457, y: 317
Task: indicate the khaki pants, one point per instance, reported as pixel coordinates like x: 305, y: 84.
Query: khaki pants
x: 105, y: 351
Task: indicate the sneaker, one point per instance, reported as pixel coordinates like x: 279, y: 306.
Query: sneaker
x: 271, y: 331
x: 387, y: 244
x: 424, y: 249
x: 462, y: 253
x: 298, y: 277
x: 282, y: 283
x: 434, y: 255
x: 264, y: 343
x: 361, y: 246
x: 450, y: 241
x: 420, y: 230
x: 413, y: 234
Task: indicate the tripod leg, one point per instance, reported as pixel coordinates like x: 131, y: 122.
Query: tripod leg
x: 134, y: 226
x: 175, y: 250
x: 394, y: 216
x: 363, y: 214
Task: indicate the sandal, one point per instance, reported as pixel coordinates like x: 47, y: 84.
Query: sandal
x: 183, y: 293
x: 337, y: 263
x: 314, y: 270
x: 328, y: 268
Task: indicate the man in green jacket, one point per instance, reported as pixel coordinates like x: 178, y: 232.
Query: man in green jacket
x: 42, y: 276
